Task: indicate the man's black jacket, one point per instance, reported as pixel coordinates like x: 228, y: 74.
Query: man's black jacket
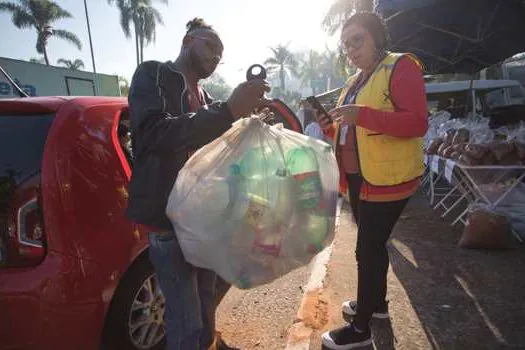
x: 163, y: 132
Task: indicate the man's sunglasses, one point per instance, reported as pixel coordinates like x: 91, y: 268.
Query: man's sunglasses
x: 214, y: 49
x: 355, y: 42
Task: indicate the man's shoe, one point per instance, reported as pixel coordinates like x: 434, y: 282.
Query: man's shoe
x: 347, y: 338
x: 350, y: 310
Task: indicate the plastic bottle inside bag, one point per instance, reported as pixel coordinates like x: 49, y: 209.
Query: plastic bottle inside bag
x: 313, y: 216
x: 282, y: 195
x: 241, y: 213
x: 270, y: 237
x: 303, y: 166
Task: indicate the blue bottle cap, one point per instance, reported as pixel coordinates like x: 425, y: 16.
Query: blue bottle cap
x: 235, y: 169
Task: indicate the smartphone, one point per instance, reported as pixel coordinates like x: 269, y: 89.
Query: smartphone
x: 314, y: 102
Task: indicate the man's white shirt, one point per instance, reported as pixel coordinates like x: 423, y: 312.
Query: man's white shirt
x: 314, y: 130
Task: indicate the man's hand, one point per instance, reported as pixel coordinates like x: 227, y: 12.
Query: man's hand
x: 265, y: 115
x: 248, y: 96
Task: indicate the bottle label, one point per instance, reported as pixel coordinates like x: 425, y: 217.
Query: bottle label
x: 255, y: 212
x: 267, y: 244
x: 309, y: 189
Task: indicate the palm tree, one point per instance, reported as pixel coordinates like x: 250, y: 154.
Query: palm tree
x: 40, y: 15
x: 311, y: 71
x: 73, y: 65
x: 144, y: 18
x: 341, y: 10
x: 336, y: 69
x: 123, y: 84
x: 284, y: 62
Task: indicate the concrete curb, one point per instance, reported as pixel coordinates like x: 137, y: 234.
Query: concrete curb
x: 303, y: 327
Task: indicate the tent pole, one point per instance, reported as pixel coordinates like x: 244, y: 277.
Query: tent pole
x: 471, y: 95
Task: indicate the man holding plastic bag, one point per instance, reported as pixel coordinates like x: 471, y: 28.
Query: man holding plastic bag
x: 256, y: 203
x: 171, y: 117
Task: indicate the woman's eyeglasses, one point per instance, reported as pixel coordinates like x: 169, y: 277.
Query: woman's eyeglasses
x: 355, y: 42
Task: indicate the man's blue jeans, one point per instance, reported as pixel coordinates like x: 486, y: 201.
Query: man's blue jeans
x: 189, y: 292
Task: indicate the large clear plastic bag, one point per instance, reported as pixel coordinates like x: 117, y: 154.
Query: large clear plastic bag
x: 255, y: 203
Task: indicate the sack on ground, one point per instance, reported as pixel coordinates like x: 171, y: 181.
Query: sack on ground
x: 255, y: 203
x: 486, y: 229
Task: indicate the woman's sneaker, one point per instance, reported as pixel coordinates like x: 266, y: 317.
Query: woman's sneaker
x: 346, y: 338
x: 350, y: 310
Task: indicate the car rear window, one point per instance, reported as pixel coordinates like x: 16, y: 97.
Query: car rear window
x: 22, y: 140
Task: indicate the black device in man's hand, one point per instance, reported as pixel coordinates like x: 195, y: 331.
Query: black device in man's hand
x: 256, y: 71
x: 314, y: 102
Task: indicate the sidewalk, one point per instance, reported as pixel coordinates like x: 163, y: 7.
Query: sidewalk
x: 442, y: 296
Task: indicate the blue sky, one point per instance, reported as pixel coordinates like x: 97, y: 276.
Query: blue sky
x: 248, y: 28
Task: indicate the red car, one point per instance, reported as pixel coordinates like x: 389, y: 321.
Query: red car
x: 72, y: 265
x: 74, y: 271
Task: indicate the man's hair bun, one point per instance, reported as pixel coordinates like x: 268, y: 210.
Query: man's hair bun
x: 196, y: 23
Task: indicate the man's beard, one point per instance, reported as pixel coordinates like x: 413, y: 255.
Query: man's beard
x: 197, y: 67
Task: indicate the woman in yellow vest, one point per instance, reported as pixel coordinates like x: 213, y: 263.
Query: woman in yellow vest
x: 380, y: 120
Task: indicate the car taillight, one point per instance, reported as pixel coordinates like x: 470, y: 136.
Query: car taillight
x: 25, y: 244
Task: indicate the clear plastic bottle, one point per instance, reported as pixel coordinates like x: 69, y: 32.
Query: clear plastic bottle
x: 282, y: 195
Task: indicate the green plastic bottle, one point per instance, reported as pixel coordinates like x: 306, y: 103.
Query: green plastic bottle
x: 303, y: 166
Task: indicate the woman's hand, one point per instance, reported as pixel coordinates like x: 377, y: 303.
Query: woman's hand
x: 346, y: 114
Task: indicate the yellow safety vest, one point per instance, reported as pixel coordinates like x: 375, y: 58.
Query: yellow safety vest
x: 384, y: 160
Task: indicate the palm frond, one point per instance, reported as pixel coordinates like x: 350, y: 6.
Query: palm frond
x: 337, y: 14
x: 150, y: 17
x: 271, y: 62
x: 78, y: 63
x: 64, y: 62
x: 21, y: 18
x: 157, y: 15
x: 125, y: 21
x: 68, y: 36
x: 56, y: 12
x: 10, y: 7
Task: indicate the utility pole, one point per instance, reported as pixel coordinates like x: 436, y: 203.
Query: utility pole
x: 95, y: 80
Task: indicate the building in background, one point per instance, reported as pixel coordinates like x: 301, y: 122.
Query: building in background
x: 41, y: 80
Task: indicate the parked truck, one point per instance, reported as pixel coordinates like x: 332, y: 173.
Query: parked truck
x: 40, y: 80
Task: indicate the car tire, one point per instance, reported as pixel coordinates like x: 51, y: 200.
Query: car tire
x: 136, y: 311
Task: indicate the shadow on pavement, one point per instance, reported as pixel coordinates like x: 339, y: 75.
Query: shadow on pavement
x: 464, y: 299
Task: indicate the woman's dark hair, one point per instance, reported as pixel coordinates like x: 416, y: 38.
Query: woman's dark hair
x: 374, y: 25
x: 197, y: 23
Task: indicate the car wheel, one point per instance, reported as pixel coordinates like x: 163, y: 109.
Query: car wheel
x: 136, y: 317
